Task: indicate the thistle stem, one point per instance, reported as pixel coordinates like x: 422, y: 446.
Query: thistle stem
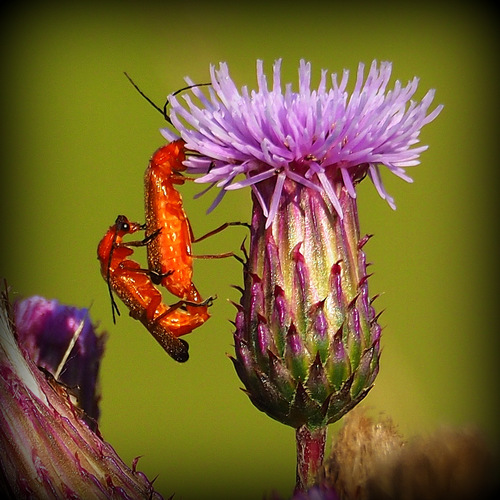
x: 310, y: 454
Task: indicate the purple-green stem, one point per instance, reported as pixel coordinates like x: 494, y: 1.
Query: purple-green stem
x: 310, y: 454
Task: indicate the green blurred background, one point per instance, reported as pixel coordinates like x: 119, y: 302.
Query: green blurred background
x: 77, y: 138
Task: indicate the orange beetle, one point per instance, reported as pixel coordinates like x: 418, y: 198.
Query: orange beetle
x: 170, y: 257
x: 171, y: 249
x: 136, y: 289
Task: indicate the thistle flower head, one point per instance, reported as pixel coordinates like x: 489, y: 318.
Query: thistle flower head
x: 62, y: 340
x: 314, y: 137
x: 47, y: 447
x: 307, y: 339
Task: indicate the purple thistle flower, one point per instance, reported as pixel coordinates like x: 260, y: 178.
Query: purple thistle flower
x: 48, y: 449
x: 307, y: 338
x: 48, y: 330
x: 313, y: 137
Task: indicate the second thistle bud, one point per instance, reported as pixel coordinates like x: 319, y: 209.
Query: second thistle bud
x: 307, y: 337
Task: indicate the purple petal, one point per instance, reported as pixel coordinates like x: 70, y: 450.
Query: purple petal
x: 306, y: 135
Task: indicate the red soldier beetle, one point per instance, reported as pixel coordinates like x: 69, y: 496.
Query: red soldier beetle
x: 133, y: 285
x: 171, y: 249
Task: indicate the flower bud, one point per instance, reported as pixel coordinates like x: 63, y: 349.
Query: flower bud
x: 307, y: 338
x: 61, y: 339
x: 47, y: 450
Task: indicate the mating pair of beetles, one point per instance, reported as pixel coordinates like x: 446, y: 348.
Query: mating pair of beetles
x: 168, y: 239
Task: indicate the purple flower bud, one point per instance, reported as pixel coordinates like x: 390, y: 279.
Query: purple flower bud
x: 47, y: 448
x: 319, y: 326
x: 61, y: 339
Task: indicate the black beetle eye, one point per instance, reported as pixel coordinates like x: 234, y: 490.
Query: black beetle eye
x: 122, y: 223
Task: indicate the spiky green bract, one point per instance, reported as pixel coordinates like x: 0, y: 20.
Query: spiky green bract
x: 307, y: 337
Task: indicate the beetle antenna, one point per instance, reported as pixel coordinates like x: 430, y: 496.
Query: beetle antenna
x: 163, y: 110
